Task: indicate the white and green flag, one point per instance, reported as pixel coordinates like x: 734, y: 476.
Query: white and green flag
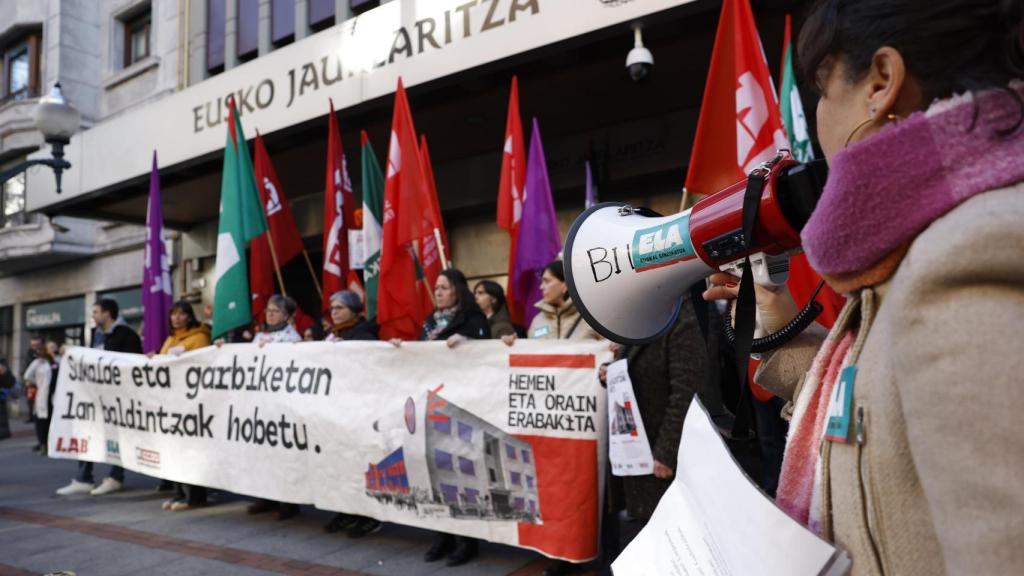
x: 790, y: 105
x: 373, y: 218
x: 241, y: 220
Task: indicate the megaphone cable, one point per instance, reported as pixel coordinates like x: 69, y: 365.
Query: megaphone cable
x: 784, y: 335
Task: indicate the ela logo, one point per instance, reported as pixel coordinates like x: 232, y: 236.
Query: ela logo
x: 113, y: 448
x: 663, y: 244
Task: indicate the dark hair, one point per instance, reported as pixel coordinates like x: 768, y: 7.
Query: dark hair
x: 463, y: 296
x: 949, y: 46
x: 285, y: 303
x: 185, y: 307
x: 493, y: 289
x: 557, y: 269
x: 109, y: 305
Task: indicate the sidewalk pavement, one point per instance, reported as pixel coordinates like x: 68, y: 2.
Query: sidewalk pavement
x: 126, y: 533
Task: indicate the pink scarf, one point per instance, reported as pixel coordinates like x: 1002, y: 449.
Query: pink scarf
x: 884, y: 191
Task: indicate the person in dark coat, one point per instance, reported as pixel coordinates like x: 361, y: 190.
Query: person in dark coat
x: 347, y: 321
x: 490, y: 297
x: 666, y: 374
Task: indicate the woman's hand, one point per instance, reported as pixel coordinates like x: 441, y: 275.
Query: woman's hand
x: 218, y: 342
x: 150, y: 354
x: 396, y: 342
x: 455, y: 339
x: 509, y: 339
x: 602, y: 373
x: 775, y: 303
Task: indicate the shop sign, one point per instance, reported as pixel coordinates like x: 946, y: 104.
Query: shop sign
x: 69, y: 312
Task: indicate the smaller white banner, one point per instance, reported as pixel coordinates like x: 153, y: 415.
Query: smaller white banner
x: 356, y: 249
x: 629, y: 452
x: 714, y: 521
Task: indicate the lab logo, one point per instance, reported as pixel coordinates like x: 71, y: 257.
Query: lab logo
x: 147, y: 458
x: 72, y: 445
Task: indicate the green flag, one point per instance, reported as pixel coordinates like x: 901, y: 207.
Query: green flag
x: 241, y: 220
x: 373, y: 219
x: 791, y: 107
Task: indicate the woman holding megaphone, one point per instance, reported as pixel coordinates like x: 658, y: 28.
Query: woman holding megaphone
x: 905, y: 446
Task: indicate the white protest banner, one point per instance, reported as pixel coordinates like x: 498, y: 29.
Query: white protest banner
x: 714, y: 521
x: 629, y: 452
x: 483, y: 440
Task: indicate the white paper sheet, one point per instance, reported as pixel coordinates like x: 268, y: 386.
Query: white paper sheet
x: 629, y: 452
x: 713, y: 521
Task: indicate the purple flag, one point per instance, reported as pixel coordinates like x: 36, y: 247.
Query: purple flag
x: 591, y: 189
x: 539, y: 241
x: 156, y: 273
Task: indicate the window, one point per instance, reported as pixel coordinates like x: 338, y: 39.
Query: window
x: 443, y: 425
x: 533, y: 507
x: 510, y: 451
x: 516, y: 478
x: 492, y: 474
x: 136, y: 38
x: 529, y: 482
x: 451, y: 493
x: 465, y: 432
x: 21, y: 68
x: 466, y: 466
x: 282, y: 22
x: 12, y: 199
x: 360, y: 6
x: 248, y: 29
x: 215, y: 18
x: 321, y: 14
x: 526, y: 456
x: 471, y: 496
x: 520, y: 503
x: 442, y: 459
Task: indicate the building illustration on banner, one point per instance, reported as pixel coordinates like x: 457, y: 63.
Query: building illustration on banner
x: 623, y: 422
x: 446, y: 461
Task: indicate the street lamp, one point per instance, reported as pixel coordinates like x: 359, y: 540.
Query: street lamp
x: 57, y: 120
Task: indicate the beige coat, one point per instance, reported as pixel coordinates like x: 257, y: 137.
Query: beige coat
x: 935, y: 486
x: 557, y: 323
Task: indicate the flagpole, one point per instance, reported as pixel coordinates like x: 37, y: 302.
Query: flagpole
x: 273, y: 256
x: 441, y: 249
x: 312, y: 272
x: 414, y: 249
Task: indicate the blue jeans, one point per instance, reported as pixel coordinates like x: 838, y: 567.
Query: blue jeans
x: 85, y: 473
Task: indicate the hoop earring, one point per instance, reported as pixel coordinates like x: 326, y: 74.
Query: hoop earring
x: 857, y: 129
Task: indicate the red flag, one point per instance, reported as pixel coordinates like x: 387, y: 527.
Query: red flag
x: 356, y: 285
x: 283, y: 232
x: 430, y: 255
x: 406, y: 217
x: 339, y: 207
x: 512, y: 189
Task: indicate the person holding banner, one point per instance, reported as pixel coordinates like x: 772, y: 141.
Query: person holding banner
x: 278, y: 329
x: 905, y: 444
x: 456, y: 319
x: 114, y: 335
x: 491, y: 300
x: 186, y: 334
x: 348, y: 323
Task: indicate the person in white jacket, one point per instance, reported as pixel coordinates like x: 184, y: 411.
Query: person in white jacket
x: 38, y: 375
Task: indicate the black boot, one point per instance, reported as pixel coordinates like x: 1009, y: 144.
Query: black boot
x: 260, y: 506
x: 558, y: 568
x: 443, y: 544
x: 465, y: 550
x: 286, y: 511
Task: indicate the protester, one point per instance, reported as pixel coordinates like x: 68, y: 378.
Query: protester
x: 7, y: 383
x: 37, y: 376
x: 558, y: 318
x: 490, y: 297
x: 186, y: 334
x: 919, y: 224
x: 456, y: 319
x: 117, y: 337
x: 278, y: 329
x: 348, y: 324
x: 35, y: 344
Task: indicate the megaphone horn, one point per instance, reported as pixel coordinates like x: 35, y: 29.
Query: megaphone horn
x: 628, y: 268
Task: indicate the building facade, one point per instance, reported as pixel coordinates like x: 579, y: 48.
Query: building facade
x: 155, y: 75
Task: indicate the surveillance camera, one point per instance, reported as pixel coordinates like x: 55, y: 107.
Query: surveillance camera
x: 639, y: 61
